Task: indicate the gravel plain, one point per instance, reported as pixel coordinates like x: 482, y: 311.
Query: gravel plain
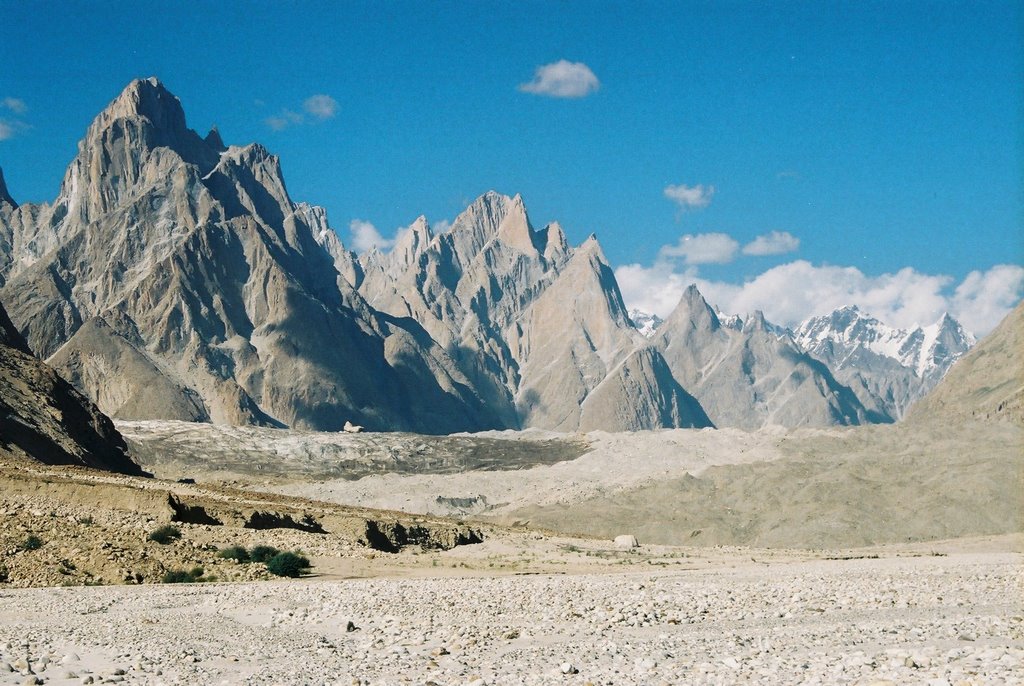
x: 928, y: 619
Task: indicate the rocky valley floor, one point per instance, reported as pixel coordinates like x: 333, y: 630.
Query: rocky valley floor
x: 928, y: 617
x: 818, y: 557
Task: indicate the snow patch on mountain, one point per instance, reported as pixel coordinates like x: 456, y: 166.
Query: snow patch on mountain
x: 646, y: 323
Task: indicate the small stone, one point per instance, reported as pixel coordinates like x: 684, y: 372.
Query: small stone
x: 567, y: 668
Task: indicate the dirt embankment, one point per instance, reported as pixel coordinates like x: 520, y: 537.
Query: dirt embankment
x: 66, y: 525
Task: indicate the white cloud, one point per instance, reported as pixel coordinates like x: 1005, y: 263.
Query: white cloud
x: 983, y: 298
x: 321, y: 106
x: 792, y: 292
x: 774, y: 243
x: 690, y: 197
x: 14, y: 105
x: 283, y: 120
x: 6, y: 130
x: 440, y: 226
x: 702, y: 248
x: 562, y: 79
x: 654, y: 289
x: 365, y: 236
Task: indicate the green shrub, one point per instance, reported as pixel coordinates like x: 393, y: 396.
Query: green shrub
x: 165, y: 534
x: 33, y: 542
x: 235, y: 552
x: 182, y: 576
x: 288, y: 564
x: 263, y: 553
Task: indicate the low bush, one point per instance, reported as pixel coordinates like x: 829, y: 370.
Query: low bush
x: 288, y: 564
x: 235, y: 552
x: 185, y: 576
x: 165, y: 534
x: 263, y: 553
x: 33, y: 542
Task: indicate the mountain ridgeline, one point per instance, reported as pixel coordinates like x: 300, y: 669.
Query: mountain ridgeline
x: 174, y: 278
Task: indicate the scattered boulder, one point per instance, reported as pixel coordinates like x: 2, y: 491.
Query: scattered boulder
x: 351, y: 428
x: 626, y: 541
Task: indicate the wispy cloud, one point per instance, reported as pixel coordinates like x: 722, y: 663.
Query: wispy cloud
x: 702, y: 248
x: 15, y: 105
x: 562, y: 79
x: 773, y: 243
x: 366, y: 236
x: 321, y: 106
x: 282, y: 121
x: 11, y: 127
x: 690, y: 197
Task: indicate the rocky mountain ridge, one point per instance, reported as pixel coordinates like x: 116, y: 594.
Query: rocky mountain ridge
x: 174, y: 278
x: 886, y: 367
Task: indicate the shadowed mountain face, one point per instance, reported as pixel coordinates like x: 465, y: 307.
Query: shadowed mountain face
x: 174, y: 278
x: 43, y: 417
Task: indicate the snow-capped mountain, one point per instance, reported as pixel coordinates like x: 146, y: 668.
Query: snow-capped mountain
x: 645, y: 322
x: 888, y: 368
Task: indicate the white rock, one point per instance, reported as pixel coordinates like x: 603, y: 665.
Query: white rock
x: 626, y: 541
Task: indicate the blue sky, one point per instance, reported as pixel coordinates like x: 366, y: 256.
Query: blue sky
x: 878, y: 137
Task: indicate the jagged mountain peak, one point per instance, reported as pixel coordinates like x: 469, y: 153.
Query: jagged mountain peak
x: 515, y: 230
x: 146, y: 98
x: 214, y: 140
x: 693, y: 308
x: 888, y: 367
x: 755, y: 322
x: 556, y: 247
x: 410, y: 244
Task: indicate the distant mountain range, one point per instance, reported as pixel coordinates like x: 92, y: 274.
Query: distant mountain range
x: 174, y: 277
x: 887, y: 368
